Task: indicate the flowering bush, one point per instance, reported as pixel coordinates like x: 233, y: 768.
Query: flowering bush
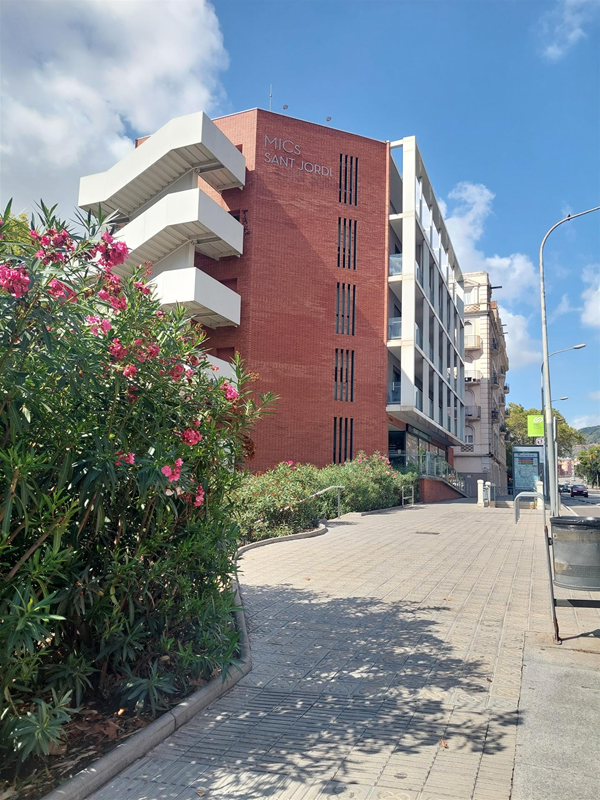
x: 274, y: 503
x: 119, y: 460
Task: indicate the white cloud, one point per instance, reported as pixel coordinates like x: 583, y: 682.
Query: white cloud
x: 564, y: 307
x: 81, y: 79
x: 565, y: 25
x: 586, y: 421
x: 591, y: 297
x: 595, y: 395
x: 522, y: 349
x: 515, y: 273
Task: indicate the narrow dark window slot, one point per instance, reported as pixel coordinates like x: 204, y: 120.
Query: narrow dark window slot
x: 345, y: 179
x: 334, y: 438
x: 354, y: 246
x: 340, y: 186
x: 352, y: 378
x: 351, y: 438
x: 337, y: 309
x: 353, y: 309
x: 350, y: 181
x: 356, y: 183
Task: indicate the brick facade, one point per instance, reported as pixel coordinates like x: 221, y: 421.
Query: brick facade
x: 288, y: 275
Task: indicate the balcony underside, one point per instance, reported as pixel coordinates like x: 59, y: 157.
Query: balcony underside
x: 412, y: 416
x: 184, y: 143
x: 187, y: 216
x: 204, y: 298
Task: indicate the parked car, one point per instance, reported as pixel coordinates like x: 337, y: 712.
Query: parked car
x: 564, y: 488
x: 577, y: 488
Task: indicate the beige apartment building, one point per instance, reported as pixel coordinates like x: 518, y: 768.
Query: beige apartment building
x: 483, y: 454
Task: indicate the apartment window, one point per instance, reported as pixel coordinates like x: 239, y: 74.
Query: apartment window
x: 348, y: 184
x: 343, y: 439
x: 345, y: 309
x: 469, y: 435
x: 344, y: 375
x: 346, y: 243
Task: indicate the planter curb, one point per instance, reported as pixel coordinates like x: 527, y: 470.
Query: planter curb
x: 322, y: 529
x: 100, y: 772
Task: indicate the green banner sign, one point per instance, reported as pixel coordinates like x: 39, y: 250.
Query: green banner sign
x: 535, y: 425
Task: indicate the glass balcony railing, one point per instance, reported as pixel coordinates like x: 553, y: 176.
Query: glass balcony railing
x: 395, y: 267
x: 419, y: 399
x: 418, y: 336
x: 427, y: 464
x: 393, y: 392
x: 395, y: 328
x: 419, y: 273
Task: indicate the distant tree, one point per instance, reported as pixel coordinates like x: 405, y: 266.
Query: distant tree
x: 16, y: 230
x: 589, y: 465
x: 516, y: 427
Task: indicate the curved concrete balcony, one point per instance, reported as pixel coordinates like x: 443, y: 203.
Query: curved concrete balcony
x: 185, y: 143
x: 204, y: 298
x: 180, y: 217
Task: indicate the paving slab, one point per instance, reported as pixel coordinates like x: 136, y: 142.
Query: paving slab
x: 388, y: 665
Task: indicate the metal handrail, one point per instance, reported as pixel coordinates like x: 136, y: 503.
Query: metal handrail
x: 310, y: 497
x: 547, y: 541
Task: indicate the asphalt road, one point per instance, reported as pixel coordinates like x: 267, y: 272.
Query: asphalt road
x: 583, y: 506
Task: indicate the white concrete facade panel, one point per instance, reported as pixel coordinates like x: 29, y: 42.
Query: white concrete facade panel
x: 181, y: 217
x: 192, y: 142
x: 205, y: 299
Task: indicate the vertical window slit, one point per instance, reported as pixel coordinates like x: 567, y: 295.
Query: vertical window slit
x: 356, y: 182
x: 353, y: 307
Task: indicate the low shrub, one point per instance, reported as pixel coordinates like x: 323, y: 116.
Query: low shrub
x: 275, y: 503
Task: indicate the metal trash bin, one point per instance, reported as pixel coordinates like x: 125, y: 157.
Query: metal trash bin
x: 576, y: 549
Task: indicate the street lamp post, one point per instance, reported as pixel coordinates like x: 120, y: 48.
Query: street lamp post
x: 552, y: 471
x: 553, y: 479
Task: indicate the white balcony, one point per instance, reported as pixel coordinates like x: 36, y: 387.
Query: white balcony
x: 180, y: 217
x: 204, y: 298
x: 185, y: 143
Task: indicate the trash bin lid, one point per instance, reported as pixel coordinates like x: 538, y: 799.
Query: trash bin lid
x: 576, y: 522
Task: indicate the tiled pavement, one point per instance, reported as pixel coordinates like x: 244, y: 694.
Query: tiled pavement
x: 387, y: 666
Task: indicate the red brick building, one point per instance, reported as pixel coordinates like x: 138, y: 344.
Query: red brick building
x: 320, y: 259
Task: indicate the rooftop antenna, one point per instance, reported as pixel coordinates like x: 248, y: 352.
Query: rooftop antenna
x: 270, y: 96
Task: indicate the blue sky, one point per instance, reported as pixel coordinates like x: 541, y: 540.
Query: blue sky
x: 503, y: 96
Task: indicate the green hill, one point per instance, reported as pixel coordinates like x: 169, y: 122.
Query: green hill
x: 592, y: 434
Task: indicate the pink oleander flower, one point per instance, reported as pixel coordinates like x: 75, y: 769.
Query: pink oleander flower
x: 39, y: 254
x: 117, y: 350
x: 142, y: 287
x: 199, y: 499
x: 172, y: 472
x: 160, y: 313
x: 189, y: 373
x: 130, y: 458
x: 152, y: 350
x: 105, y: 325
x: 103, y: 295
x: 190, y: 436
x: 106, y: 237
x: 231, y: 393
x: 195, y: 422
x: 94, y: 323
x: 14, y: 280
x: 119, y: 303
x: 130, y: 371
x: 290, y: 463
x: 34, y: 234
x: 176, y: 372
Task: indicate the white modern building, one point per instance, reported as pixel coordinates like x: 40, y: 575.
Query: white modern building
x: 425, y: 319
x: 483, y: 454
x: 165, y: 216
